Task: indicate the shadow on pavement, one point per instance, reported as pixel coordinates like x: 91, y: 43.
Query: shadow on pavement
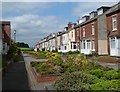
x: 16, y: 77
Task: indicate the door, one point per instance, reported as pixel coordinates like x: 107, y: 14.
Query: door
x: 113, y: 46
x: 118, y: 46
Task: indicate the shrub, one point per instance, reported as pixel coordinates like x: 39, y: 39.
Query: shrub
x: 73, y: 52
x: 112, y: 74
x: 43, y: 49
x: 13, y: 52
x: 74, y: 81
x: 97, y: 72
x: 93, y: 54
x: 112, y: 85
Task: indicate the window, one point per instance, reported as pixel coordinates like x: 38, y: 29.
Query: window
x: 88, y: 44
x: 83, y: 44
x: 114, y: 23
x: 100, y: 11
x: 74, y: 46
x: 3, y: 46
x: 77, y: 32
x: 65, y: 47
x: 112, y: 43
x: 72, y: 34
x: 93, y: 45
x: 83, y: 32
x: 4, y: 27
x: 93, y: 29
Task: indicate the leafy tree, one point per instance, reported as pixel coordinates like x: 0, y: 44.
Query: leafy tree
x: 22, y: 44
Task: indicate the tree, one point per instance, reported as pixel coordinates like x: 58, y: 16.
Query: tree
x: 22, y: 44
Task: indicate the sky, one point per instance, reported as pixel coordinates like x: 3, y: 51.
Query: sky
x: 35, y: 20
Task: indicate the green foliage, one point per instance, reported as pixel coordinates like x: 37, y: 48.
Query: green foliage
x: 97, y: 72
x: 88, y: 80
x: 56, y: 50
x: 4, y: 61
x: 73, y: 52
x: 112, y: 85
x: 43, y: 49
x: 27, y: 49
x: 13, y: 52
x: 93, y: 54
x: 112, y: 74
x: 22, y: 44
x: 74, y: 81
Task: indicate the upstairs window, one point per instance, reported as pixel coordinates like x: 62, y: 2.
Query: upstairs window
x: 93, y: 29
x: 72, y: 34
x: 84, y: 32
x: 114, y: 23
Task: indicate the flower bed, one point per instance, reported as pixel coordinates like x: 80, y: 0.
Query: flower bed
x: 44, y: 77
x: 93, y: 80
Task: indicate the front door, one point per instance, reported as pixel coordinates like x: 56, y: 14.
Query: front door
x: 113, y: 46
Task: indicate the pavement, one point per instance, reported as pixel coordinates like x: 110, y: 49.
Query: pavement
x: 110, y: 65
x: 16, y: 78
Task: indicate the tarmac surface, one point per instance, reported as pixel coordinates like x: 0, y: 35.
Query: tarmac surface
x: 16, y: 77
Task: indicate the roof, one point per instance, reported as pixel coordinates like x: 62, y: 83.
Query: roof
x: 4, y: 22
x: 107, y: 7
x: 115, y: 8
x: 89, y: 20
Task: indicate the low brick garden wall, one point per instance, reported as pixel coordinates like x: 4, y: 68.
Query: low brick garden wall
x: 45, y: 77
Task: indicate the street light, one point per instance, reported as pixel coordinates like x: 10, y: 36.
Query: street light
x: 14, y: 36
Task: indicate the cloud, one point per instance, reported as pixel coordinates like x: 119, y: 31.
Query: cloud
x: 84, y: 8
x: 24, y: 7
x: 31, y: 28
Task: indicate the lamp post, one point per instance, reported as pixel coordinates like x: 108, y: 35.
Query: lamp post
x: 14, y: 36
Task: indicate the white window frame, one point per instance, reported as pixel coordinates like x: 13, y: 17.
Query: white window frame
x: 114, y: 23
x: 93, y: 29
x: 84, y: 33
x: 88, y: 43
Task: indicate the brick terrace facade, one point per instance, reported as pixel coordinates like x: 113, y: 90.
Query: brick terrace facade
x: 91, y: 33
x: 6, y: 35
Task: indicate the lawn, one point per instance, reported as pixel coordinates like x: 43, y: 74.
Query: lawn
x: 27, y: 49
x: 107, y: 58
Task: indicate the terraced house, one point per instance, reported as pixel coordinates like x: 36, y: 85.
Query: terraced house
x: 98, y: 32
x: 113, y: 30
x: 5, y: 36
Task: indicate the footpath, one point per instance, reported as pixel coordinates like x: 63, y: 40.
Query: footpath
x: 16, y: 77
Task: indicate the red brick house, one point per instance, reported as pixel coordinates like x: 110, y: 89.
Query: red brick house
x: 6, y: 36
x: 89, y: 37
x: 113, y: 30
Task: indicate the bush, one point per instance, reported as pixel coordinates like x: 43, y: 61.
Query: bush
x: 73, y: 52
x: 93, y: 54
x: 112, y: 74
x: 56, y: 50
x: 74, y: 81
x: 13, y: 52
x: 43, y: 49
x: 97, y: 72
x: 112, y: 85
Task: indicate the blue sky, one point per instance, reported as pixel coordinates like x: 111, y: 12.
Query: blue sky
x: 35, y: 20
